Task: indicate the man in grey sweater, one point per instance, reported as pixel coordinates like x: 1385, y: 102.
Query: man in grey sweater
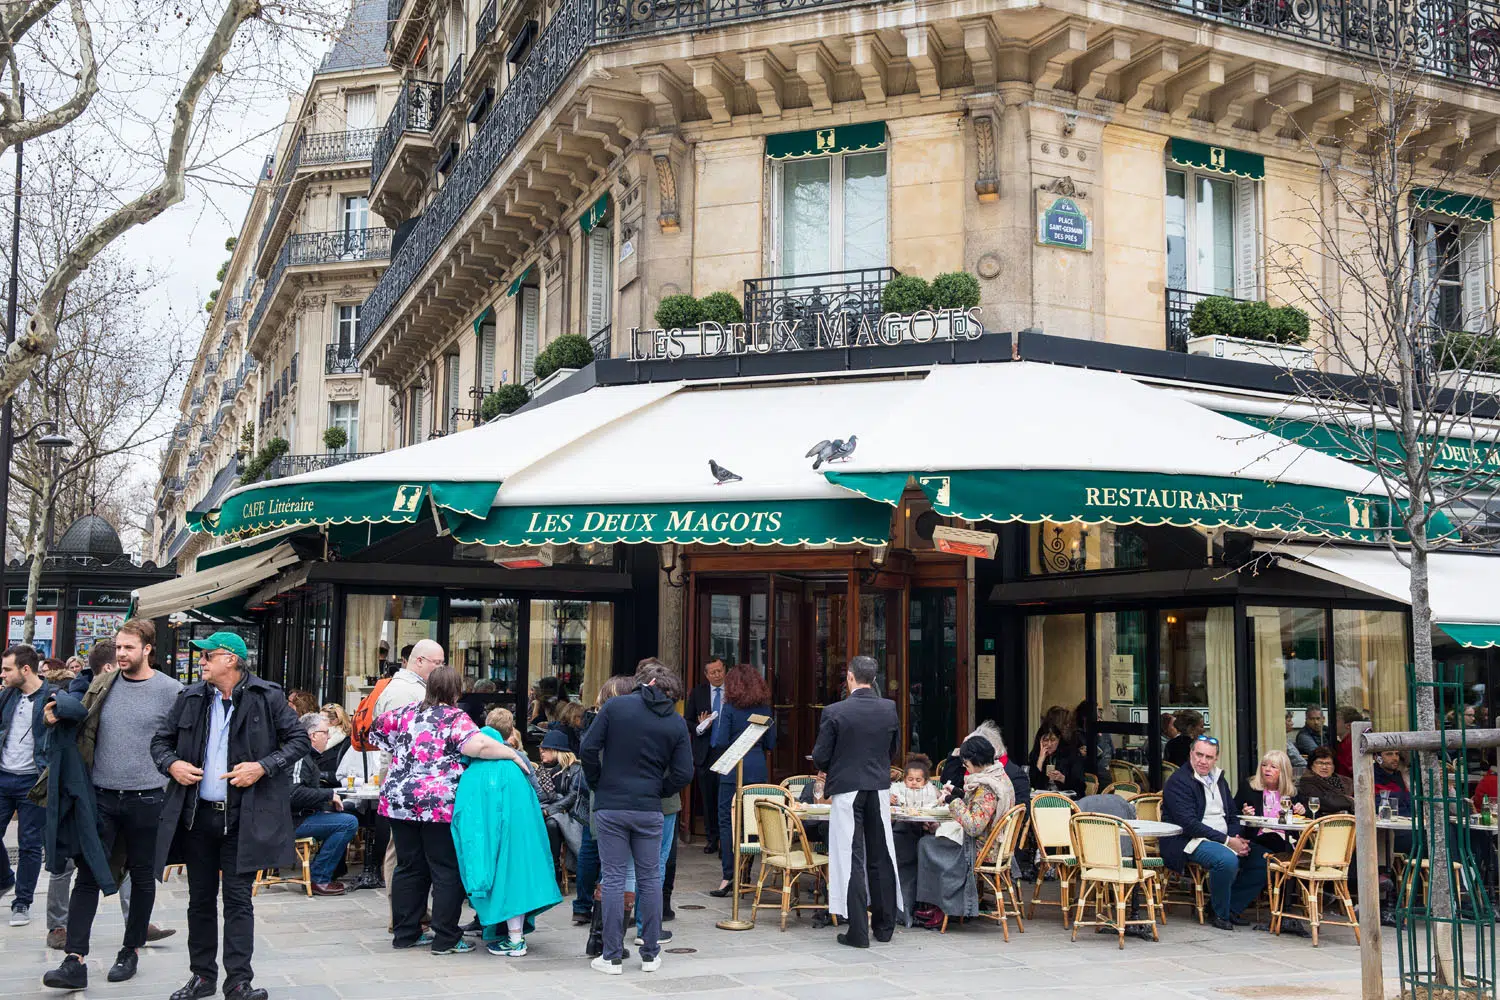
x: 124, y: 709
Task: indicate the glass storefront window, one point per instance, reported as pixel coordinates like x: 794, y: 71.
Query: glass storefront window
x: 879, y: 613
x: 1057, y: 548
x: 1057, y: 664
x: 1289, y: 660
x: 1197, y: 673
x: 830, y: 642
x: 724, y: 628
x: 571, y: 650
x: 1369, y: 668
x: 1124, y: 698
x: 376, y: 628
x: 484, y: 643
x: 933, y: 668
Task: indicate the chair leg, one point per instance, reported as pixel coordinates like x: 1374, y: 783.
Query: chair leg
x: 760, y: 884
x: 786, y: 896
x: 1342, y: 890
x: 1063, y: 878
x: 1036, y: 891
x: 1083, y: 892
x: 1312, y: 895
x: 1151, y: 909
x: 1120, y: 913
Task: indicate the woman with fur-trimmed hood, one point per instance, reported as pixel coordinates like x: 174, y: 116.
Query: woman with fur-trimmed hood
x: 953, y: 768
x: 945, y: 862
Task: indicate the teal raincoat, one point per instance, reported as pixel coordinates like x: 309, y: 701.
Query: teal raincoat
x: 504, y: 856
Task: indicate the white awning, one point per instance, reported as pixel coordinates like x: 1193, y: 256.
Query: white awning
x: 195, y: 590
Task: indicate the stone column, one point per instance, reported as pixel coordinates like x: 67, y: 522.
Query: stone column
x: 670, y: 619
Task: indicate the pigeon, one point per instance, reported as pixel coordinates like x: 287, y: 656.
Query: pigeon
x: 721, y: 474
x: 837, y: 450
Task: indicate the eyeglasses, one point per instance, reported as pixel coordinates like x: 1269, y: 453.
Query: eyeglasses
x: 1207, y: 739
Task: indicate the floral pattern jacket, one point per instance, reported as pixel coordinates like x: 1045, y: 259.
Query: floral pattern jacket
x: 426, y: 762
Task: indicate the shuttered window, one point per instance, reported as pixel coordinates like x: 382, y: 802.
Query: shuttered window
x: 450, y: 382
x: 1455, y: 259
x: 1213, y: 234
x: 600, y: 283
x: 485, y: 377
x: 530, y: 330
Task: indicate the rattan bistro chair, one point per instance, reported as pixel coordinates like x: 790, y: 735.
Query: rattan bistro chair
x: 992, y: 867
x: 1148, y: 806
x: 305, y: 848
x: 785, y: 849
x: 796, y: 783
x: 1124, y: 789
x: 749, y: 830
x: 1050, y: 813
x: 1106, y: 877
x: 1319, y: 861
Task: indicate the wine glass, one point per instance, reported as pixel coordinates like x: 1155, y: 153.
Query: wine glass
x: 1312, y: 806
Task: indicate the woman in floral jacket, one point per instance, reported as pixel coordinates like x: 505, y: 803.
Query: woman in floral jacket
x: 945, y: 862
x: 428, y: 743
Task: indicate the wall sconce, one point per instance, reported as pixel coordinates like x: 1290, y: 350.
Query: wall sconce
x: 668, y: 553
x: 879, y: 552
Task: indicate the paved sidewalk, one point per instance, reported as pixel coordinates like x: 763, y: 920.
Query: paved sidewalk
x: 337, y: 949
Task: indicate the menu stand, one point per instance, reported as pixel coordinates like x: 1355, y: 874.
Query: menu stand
x: 734, y: 757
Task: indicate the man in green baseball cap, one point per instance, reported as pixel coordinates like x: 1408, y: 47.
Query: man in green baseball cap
x: 225, y: 640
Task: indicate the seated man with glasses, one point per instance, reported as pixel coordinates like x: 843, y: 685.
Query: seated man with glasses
x: 1197, y: 799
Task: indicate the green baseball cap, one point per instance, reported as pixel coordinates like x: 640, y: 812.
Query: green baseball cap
x: 224, y: 640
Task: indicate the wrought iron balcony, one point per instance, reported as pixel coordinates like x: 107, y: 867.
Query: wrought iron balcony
x: 602, y: 342
x: 338, y: 246
x: 338, y: 147
x: 454, y: 80
x: 211, y: 365
x: 852, y: 294
x: 485, y: 26
x: 1180, y: 303
x: 193, y: 460
x: 197, y: 397
x: 233, y: 307
x: 339, y: 359
x: 392, y: 15
x: 416, y: 110
x: 296, y: 465
x: 288, y: 174
x: 226, y: 394
x: 171, y: 484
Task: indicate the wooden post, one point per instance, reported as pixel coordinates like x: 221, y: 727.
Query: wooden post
x: 1367, y: 860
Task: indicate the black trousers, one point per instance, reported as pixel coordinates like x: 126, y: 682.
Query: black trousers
x: 872, y: 874
x: 211, y: 847
x: 426, y: 860
x: 130, y: 818
x: 708, y: 796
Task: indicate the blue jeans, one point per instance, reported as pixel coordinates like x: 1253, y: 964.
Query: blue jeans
x: 1233, y: 881
x: 588, y: 874
x: 668, y: 831
x: 627, y: 835
x: 335, y: 830
x: 31, y: 836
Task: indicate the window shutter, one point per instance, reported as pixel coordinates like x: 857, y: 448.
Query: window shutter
x: 486, y: 375
x: 530, y: 316
x: 452, y: 379
x: 419, y: 415
x: 1246, y: 241
x: 599, y: 290
x: 1476, y: 278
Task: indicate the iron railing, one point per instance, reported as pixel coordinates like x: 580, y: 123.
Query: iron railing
x: 338, y: 147
x: 197, y: 397
x: 339, y: 245
x: 288, y: 173
x: 292, y: 369
x: 485, y: 26
x: 193, y: 460
x: 340, y: 359
x: 602, y: 341
x: 233, y: 307
x: 211, y: 365
x: 1180, y: 303
x: 226, y: 394
x: 296, y: 465
x: 416, y: 110
x: 172, y: 484
x: 393, y: 10
x: 454, y: 80
x: 852, y: 294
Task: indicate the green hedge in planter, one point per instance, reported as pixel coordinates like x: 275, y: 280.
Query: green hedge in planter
x: 507, y: 398
x: 955, y: 290
x: 1469, y: 351
x: 568, y: 351
x: 905, y: 294
x: 721, y: 308
x: 1221, y: 316
x: 679, y: 312
x: 269, y: 452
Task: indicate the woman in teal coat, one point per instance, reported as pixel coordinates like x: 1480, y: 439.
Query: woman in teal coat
x: 504, y: 856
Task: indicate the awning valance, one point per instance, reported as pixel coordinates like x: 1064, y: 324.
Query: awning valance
x: 595, y: 215
x: 259, y: 542
x: 850, y: 521
x: 1108, y: 449
x: 1462, y: 586
x: 515, y: 286
x: 1463, y: 206
x: 1453, y: 454
x: 487, y: 316
x: 214, y: 585
x: 1219, y: 159
x: 825, y: 141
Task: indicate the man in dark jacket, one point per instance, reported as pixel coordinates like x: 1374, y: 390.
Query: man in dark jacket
x: 635, y: 753
x: 228, y: 746
x: 1197, y: 799
x: 319, y: 812
x: 704, y: 704
x: 23, y: 742
x: 101, y: 659
x: 857, y: 741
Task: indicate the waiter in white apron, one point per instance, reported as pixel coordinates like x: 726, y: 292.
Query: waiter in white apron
x: 857, y: 740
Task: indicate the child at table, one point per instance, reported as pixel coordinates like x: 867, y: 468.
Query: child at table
x: 915, y: 791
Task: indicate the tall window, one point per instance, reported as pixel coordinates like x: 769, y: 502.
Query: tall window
x: 346, y: 415
x: 416, y: 414
x: 600, y: 278
x: 529, y: 324
x: 451, y: 390
x: 484, y: 375
x: 356, y: 212
x: 831, y: 213
x: 359, y: 119
x: 1211, y: 234
x: 348, y: 328
x: 1454, y: 258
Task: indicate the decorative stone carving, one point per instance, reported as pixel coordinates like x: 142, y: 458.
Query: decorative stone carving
x: 666, y: 176
x: 988, y: 266
x: 987, y: 181
x: 346, y: 291
x: 311, y: 302
x: 1065, y: 187
x: 343, y: 388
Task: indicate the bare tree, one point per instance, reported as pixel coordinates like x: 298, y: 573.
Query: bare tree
x: 1394, y: 271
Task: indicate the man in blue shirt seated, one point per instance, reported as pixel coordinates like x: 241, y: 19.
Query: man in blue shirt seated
x: 318, y: 811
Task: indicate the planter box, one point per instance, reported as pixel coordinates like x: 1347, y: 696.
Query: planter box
x: 551, y: 382
x: 1255, y: 351
x: 1466, y: 380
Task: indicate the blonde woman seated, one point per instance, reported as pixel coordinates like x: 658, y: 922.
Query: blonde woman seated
x: 945, y: 863
x: 1265, y: 793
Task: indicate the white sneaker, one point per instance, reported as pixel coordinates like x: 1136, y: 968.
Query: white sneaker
x: 20, y: 916
x: 651, y: 964
x: 604, y: 965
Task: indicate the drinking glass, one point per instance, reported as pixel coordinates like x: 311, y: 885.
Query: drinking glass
x: 1312, y: 806
x: 1385, y: 805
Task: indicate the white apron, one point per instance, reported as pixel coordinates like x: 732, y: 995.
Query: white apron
x: 841, y: 851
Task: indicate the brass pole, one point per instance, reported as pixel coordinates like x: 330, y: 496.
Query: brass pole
x: 736, y: 820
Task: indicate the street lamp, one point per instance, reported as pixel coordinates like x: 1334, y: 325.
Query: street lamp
x: 54, y: 443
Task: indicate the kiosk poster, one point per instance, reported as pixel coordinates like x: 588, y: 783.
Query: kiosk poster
x: 46, y: 624
x: 93, y: 626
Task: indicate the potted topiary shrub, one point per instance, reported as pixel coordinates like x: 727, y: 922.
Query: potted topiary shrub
x: 905, y: 294
x: 1467, y: 362
x: 559, y: 359
x: 1222, y: 327
x: 955, y: 290
x: 335, y: 438
x: 505, y: 400
x: 679, y: 312
x: 721, y: 308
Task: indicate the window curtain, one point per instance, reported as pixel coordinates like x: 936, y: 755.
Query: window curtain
x: 598, y: 657
x: 1036, y: 667
x: 1380, y: 637
x: 1219, y: 640
x: 805, y: 212
x: 538, y: 652
x: 364, y: 620
x: 1270, y: 679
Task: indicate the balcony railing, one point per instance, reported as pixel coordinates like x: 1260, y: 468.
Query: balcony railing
x: 226, y: 394
x: 454, y: 80
x: 234, y: 307
x: 340, y: 359
x: 288, y: 173
x: 416, y: 110
x: 1180, y: 303
x: 602, y: 342
x: 296, y: 465
x: 852, y: 294
x: 338, y: 147
x: 392, y: 15
x: 485, y: 26
x: 337, y: 246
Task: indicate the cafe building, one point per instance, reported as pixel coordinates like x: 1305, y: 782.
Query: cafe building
x: 1005, y: 522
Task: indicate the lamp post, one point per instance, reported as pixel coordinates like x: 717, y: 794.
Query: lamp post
x: 53, y: 442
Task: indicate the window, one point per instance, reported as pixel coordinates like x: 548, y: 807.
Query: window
x: 1211, y: 234
x: 346, y: 416
x: 1289, y: 661
x: 600, y: 284
x: 450, y: 386
x: 1453, y: 257
x: 529, y: 325
x: 416, y: 406
x: 831, y: 213
x: 484, y: 375
x: 356, y: 212
x: 348, y: 329
x: 359, y: 110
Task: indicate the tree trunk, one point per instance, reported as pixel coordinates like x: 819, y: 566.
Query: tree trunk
x: 33, y: 587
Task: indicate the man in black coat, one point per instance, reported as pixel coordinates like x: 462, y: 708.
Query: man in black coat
x: 319, y: 812
x: 703, y: 702
x: 228, y: 746
x: 857, y: 740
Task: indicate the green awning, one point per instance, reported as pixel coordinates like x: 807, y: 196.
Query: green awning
x: 1202, y: 156
x: 515, y: 286
x: 488, y: 316
x: 786, y: 522
x: 1090, y: 497
x: 595, y: 215
x: 1460, y: 455
x: 1472, y: 636
x: 825, y: 141
x: 1464, y: 206
x: 237, y: 550
x: 284, y: 502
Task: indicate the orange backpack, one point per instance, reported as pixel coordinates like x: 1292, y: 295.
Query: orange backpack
x: 364, y: 717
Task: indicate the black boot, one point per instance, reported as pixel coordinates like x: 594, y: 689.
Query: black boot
x: 668, y: 881
x: 595, y: 946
